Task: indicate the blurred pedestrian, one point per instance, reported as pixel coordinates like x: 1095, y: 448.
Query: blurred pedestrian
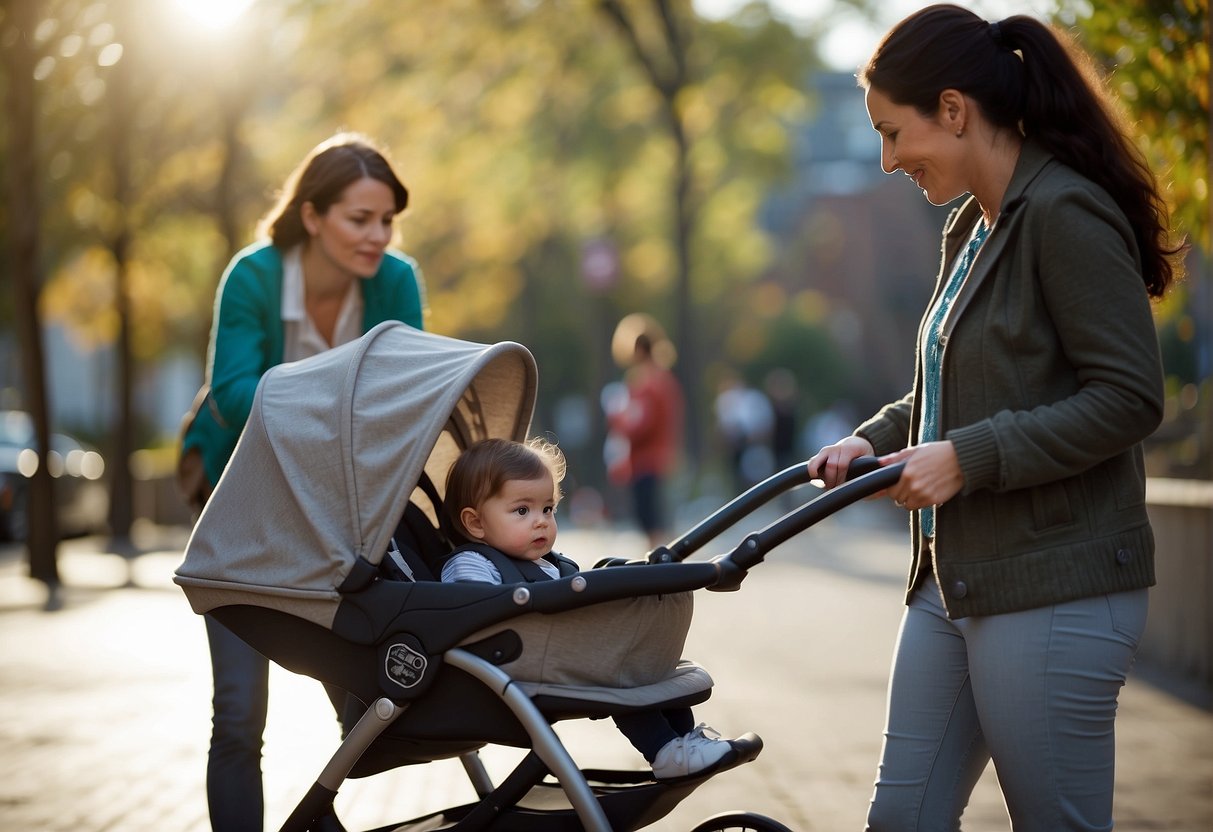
x: 745, y: 420
x: 824, y: 426
x: 1037, y: 378
x: 650, y: 420
x: 320, y: 276
x: 780, y: 387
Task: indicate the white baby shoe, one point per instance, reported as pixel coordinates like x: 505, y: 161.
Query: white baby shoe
x: 690, y: 754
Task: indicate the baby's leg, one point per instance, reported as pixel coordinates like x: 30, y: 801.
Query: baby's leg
x: 648, y: 731
x: 674, y: 746
x: 682, y: 720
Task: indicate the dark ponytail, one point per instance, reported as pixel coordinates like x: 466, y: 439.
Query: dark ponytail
x: 1027, y: 77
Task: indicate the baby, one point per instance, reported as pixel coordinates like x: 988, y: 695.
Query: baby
x: 500, y: 505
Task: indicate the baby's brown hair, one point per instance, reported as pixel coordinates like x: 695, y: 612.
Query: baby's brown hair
x: 485, y: 466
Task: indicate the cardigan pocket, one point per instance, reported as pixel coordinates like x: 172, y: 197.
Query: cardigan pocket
x: 1126, y: 480
x: 1051, y: 506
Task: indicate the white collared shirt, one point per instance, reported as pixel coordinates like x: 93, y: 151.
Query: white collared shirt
x: 302, y: 339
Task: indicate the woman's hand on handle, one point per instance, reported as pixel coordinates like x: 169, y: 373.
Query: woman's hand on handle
x: 830, y: 464
x: 932, y: 475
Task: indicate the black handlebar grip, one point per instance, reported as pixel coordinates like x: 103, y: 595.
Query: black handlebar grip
x: 861, y: 465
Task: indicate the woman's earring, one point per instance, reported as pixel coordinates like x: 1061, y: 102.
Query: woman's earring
x: 960, y: 132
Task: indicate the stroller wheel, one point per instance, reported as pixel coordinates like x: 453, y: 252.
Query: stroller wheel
x: 741, y: 822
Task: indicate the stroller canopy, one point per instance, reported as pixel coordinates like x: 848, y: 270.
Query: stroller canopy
x: 333, y: 449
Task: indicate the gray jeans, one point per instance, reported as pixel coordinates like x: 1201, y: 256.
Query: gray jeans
x: 1034, y: 691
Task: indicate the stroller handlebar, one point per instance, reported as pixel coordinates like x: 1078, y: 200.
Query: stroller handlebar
x: 861, y: 465
x: 866, y: 477
x: 717, y: 522
x: 756, y: 497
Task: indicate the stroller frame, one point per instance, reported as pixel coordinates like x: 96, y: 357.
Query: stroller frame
x: 326, y: 465
x: 548, y: 755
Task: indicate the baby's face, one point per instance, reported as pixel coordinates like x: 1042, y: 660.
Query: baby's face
x: 520, y: 520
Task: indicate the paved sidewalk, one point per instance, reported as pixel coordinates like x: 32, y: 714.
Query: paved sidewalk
x: 105, y: 704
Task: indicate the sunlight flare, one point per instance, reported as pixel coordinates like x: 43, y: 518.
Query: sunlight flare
x: 213, y: 14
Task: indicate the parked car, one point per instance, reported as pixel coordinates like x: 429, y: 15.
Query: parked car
x: 80, y: 492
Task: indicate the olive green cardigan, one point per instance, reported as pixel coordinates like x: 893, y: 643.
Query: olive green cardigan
x: 1051, y: 380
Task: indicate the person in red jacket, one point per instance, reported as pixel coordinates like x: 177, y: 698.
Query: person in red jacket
x: 651, y: 421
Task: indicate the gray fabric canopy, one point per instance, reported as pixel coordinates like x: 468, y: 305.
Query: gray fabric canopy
x: 333, y: 449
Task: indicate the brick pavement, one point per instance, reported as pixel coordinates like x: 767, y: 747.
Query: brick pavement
x: 105, y: 711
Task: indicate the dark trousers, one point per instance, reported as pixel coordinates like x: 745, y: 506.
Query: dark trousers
x: 647, y: 501
x: 648, y: 731
x: 234, y: 793
x: 233, y: 768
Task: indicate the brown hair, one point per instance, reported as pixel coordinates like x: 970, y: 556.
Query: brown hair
x: 321, y: 178
x: 1028, y: 77
x: 486, y: 466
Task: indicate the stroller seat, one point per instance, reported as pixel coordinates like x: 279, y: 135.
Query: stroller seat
x: 472, y: 703
x: 562, y: 687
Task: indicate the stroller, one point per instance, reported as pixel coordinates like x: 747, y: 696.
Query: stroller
x: 320, y: 547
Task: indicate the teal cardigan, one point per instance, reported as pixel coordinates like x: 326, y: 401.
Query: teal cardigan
x: 248, y: 337
x: 1051, y: 379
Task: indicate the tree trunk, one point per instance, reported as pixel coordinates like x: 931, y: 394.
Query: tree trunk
x: 24, y: 220
x: 226, y: 215
x: 688, y: 347
x: 666, y: 70
x: 121, y: 111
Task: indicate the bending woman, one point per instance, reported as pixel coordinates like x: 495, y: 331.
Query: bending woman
x: 321, y: 276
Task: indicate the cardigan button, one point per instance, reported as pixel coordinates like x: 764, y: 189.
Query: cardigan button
x: 1123, y: 556
x: 959, y: 589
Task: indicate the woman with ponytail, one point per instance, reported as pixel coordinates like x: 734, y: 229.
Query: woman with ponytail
x: 1037, y: 377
